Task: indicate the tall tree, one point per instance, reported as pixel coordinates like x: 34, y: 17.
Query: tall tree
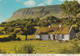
x: 28, y: 30
x: 70, y: 8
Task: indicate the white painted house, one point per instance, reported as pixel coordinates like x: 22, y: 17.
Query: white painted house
x: 56, y: 33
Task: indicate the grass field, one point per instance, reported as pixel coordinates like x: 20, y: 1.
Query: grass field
x: 39, y: 46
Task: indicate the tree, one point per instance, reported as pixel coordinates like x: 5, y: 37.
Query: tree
x: 70, y: 8
x: 37, y: 19
x: 31, y: 20
x: 5, y: 29
x: 28, y: 30
x: 9, y: 30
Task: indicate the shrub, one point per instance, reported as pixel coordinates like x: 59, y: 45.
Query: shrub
x: 1, y: 33
x: 78, y: 38
x: 5, y: 39
x: 25, y: 49
x: 12, y: 37
x: 75, y: 39
x: 2, y: 52
x: 18, y: 39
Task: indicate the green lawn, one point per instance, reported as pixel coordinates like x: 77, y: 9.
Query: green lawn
x: 40, y: 47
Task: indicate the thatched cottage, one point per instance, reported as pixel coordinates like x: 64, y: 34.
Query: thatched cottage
x: 56, y: 33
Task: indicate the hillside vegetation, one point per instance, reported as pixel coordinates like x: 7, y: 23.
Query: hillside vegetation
x: 30, y: 26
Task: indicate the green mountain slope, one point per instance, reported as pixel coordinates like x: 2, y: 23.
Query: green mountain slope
x: 35, y: 12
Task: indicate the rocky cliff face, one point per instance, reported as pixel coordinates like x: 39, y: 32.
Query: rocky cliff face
x: 35, y: 12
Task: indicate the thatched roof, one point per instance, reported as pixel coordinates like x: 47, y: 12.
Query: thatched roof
x: 54, y: 30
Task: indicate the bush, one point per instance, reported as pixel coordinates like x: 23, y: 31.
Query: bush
x: 25, y: 49
x: 18, y: 39
x: 2, y: 52
x: 75, y: 49
x: 12, y: 37
x: 76, y: 39
x: 5, y: 39
x: 1, y: 33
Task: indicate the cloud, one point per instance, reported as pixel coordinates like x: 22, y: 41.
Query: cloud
x: 41, y: 4
x: 49, y: 2
x: 29, y: 3
x: 18, y: 0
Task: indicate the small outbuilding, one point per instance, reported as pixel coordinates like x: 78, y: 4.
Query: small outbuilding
x: 56, y: 33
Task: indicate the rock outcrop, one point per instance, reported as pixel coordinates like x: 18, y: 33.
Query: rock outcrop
x: 35, y: 12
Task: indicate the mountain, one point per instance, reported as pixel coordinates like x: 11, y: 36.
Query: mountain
x: 35, y: 12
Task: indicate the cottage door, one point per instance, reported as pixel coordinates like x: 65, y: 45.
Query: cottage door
x: 53, y: 36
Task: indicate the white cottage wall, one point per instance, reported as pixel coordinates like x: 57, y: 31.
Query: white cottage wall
x: 44, y: 37
x: 66, y: 37
x: 58, y: 36
x: 37, y: 36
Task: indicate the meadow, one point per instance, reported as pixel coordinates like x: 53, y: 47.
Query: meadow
x: 40, y: 47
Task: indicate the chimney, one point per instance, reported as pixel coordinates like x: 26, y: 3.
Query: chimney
x: 60, y: 26
x: 49, y: 26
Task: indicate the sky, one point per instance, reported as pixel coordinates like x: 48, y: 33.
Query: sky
x: 8, y: 7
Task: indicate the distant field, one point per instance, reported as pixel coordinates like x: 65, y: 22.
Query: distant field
x: 22, y: 37
x: 2, y: 36
x: 1, y: 28
x: 40, y: 47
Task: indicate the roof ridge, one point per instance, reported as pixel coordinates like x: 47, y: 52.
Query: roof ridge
x: 54, y: 29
